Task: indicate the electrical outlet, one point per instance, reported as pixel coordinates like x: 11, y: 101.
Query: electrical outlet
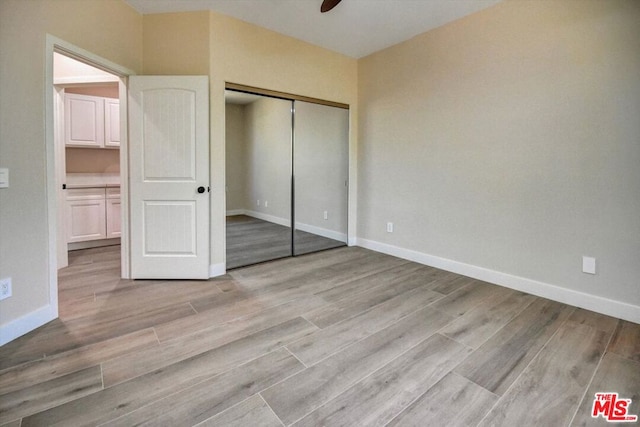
x: 588, y: 265
x: 5, y: 288
x: 258, y: 203
x: 266, y: 203
x: 326, y: 215
x: 389, y: 227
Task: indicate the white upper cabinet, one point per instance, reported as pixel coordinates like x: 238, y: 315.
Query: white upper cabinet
x: 84, y: 120
x: 91, y: 121
x: 111, y: 122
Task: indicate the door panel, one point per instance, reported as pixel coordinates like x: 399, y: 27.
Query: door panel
x: 177, y: 220
x: 169, y: 164
x: 169, y: 116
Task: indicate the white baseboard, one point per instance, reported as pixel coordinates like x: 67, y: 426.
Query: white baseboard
x: 235, y: 212
x: 218, y: 269
x: 269, y: 218
x: 27, y: 323
x: 324, y: 232
x: 595, y: 303
x: 74, y: 246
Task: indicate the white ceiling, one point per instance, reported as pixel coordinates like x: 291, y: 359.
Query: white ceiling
x: 354, y: 28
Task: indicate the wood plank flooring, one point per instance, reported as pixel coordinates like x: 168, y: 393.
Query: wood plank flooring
x: 252, y: 240
x: 342, y: 337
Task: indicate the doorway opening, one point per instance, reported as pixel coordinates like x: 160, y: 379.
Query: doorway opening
x: 87, y: 145
x: 55, y: 178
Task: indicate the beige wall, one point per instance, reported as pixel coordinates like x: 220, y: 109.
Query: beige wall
x: 176, y: 43
x: 510, y: 140
x: 92, y: 160
x: 110, y: 29
x: 105, y: 91
x: 247, y: 54
x: 235, y: 162
x: 268, y: 158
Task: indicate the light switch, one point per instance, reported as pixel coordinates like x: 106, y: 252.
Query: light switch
x: 4, y: 178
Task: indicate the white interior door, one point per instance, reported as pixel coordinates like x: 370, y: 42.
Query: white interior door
x: 169, y: 176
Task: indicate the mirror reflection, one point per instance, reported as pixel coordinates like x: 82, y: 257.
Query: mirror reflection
x: 321, y: 167
x: 286, y: 162
x: 258, y: 178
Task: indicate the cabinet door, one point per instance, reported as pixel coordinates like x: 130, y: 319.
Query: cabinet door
x: 111, y: 123
x: 83, y: 120
x: 86, y: 219
x: 113, y: 212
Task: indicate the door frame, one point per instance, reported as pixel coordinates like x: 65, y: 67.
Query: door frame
x: 55, y: 44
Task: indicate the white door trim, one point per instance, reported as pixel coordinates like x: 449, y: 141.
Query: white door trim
x: 52, y: 44
x: 60, y: 168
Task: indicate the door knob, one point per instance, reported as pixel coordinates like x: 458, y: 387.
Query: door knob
x: 200, y: 190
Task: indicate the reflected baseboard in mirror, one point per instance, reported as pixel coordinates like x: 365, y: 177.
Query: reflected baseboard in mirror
x: 252, y: 240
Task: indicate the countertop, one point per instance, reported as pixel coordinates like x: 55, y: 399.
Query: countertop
x: 92, y: 180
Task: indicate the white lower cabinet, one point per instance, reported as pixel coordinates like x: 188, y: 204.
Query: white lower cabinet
x: 113, y: 212
x: 92, y: 214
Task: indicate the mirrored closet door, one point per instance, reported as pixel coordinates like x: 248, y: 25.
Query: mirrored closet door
x: 321, y: 174
x: 258, y: 175
x: 286, y: 164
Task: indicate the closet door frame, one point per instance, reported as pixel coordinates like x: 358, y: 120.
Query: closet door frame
x: 282, y: 95
x: 293, y: 97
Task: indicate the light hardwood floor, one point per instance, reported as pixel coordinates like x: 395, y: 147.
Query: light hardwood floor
x: 344, y: 337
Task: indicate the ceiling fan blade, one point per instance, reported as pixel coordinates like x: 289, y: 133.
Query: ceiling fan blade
x: 327, y: 5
